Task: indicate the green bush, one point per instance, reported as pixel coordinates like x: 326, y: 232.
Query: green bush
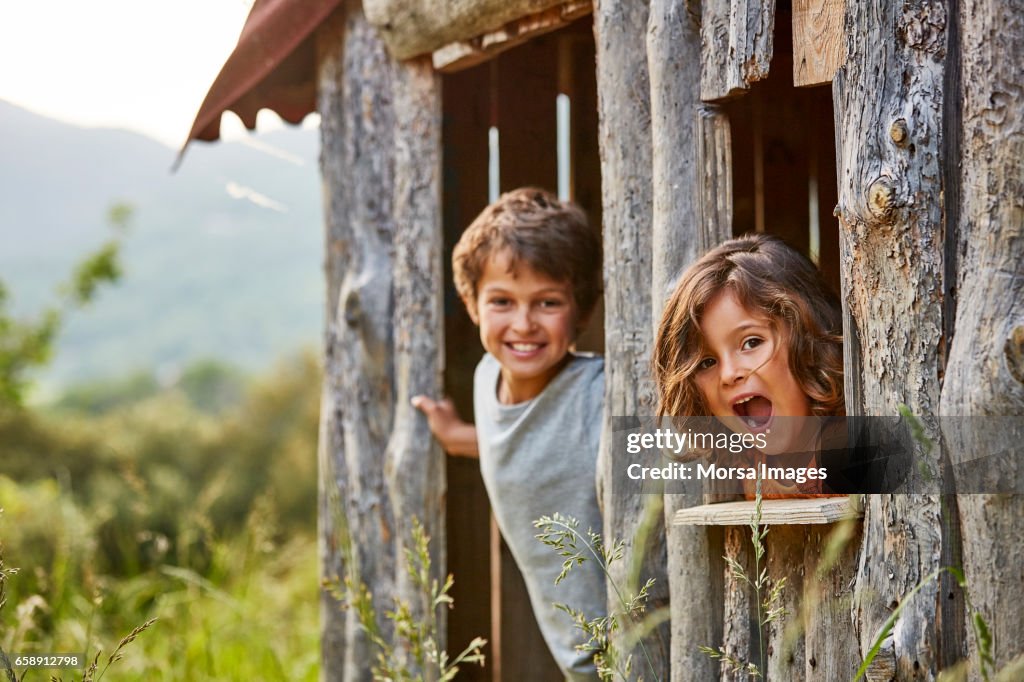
x: 163, y: 508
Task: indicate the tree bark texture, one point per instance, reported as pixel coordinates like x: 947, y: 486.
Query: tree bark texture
x: 624, y: 138
x: 673, y: 61
x: 677, y: 238
x: 380, y: 136
x: 985, y: 373
x: 415, y: 27
x: 889, y: 134
x: 737, y: 45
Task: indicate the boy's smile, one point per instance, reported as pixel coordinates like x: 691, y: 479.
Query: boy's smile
x: 744, y: 375
x: 527, y: 322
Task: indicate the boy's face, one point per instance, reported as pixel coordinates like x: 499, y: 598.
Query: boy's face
x: 745, y: 376
x: 527, y: 322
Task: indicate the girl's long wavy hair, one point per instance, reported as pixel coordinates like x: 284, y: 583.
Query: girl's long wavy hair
x: 766, y: 276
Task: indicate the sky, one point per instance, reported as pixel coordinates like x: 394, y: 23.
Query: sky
x: 143, y: 65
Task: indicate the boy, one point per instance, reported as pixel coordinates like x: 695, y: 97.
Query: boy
x: 529, y: 272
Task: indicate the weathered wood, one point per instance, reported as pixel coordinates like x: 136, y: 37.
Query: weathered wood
x: 819, y: 44
x: 714, y: 164
x: 414, y: 27
x: 736, y: 37
x: 889, y: 102
x: 673, y: 61
x: 356, y: 410
x: 378, y: 467
x: 783, y: 546
x: 773, y: 512
x: 624, y: 137
x: 677, y: 236
x: 414, y: 466
x: 739, y: 609
x: 827, y: 596
x: 463, y: 54
x: 985, y: 373
x: 715, y: 207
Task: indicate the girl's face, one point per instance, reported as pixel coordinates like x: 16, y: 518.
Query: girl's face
x: 744, y: 375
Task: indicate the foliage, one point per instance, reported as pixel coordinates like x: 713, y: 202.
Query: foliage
x: 28, y: 344
x: 983, y: 638
x: 157, y: 472
x: 608, y: 637
x: 155, y: 509
x: 767, y: 596
x: 415, y: 653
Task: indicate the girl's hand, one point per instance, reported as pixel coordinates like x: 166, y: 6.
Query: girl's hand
x: 455, y: 436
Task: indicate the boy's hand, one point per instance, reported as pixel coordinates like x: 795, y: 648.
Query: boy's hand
x: 455, y: 436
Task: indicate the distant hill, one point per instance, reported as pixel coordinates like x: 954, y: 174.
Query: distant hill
x: 223, y: 259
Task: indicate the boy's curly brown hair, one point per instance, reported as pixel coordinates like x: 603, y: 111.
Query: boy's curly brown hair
x: 767, y: 276
x: 532, y: 226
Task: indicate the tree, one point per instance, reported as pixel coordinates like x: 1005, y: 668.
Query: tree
x: 28, y: 344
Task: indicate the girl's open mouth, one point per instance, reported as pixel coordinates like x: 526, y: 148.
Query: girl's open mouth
x: 754, y: 410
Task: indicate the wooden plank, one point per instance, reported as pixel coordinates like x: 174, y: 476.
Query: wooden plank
x: 785, y: 652
x: 463, y: 54
x: 773, y: 512
x: 736, y: 45
x: 828, y: 630
x: 739, y: 607
x: 819, y: 43
x: 415, y: 27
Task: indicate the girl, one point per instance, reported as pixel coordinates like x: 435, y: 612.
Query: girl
x: 752, y: 335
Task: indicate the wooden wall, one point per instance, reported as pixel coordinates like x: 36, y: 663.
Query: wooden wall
x: 913, y: 160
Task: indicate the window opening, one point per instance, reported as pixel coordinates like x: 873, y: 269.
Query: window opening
x: 784, y: 164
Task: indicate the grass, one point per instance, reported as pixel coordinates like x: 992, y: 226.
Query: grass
x: 252, y: 614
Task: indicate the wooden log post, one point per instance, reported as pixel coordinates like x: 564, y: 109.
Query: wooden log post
x: 888, y: 126
x: 414, y: 465
x: 985, y: 373
x: 678, y: 236
x: 378, y: 468
x: 624, y: 138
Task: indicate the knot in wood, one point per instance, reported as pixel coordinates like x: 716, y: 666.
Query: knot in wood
x: 1013, y: 349
x: 881, y: 197
x: 898, y: 132
x: 353, y: 309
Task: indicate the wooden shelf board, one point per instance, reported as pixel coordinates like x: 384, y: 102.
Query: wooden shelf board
x: 773, y: 512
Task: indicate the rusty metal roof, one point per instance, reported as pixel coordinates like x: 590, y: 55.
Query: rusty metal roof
x: 271, y: 67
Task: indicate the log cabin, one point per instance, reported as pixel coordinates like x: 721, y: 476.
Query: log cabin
x: 885, y: 140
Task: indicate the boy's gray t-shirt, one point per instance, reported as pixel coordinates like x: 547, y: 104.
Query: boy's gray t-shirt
x: 537, y: 458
